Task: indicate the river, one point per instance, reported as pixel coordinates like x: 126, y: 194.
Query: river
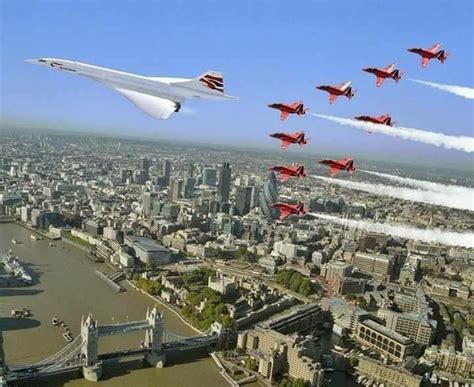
x: 65, y: 286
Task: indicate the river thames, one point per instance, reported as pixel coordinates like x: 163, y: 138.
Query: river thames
x: 65, y: 286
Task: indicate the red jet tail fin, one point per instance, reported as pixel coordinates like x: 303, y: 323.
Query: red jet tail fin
x: 435, y: 48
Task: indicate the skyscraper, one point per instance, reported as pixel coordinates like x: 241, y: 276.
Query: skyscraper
x: 223, y: 186
x: 243, y: 197
x: 164, y: 179
x: 189, y: 183
x: 189, y: 170
x: 145, y: 167
x: 166, y: 168
x: 268, y: 197
x: 176, y: 189
x: 209, y: 177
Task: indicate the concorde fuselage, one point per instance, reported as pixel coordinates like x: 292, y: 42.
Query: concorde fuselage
x: 175, y: 89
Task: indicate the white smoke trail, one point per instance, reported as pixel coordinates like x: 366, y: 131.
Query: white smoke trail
x: 448, y: 238
x: 462, y: 143
x: 414, y: 195
x: 462, y: 91
x: 426, y: 185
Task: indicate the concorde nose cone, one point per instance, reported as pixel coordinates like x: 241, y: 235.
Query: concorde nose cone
x: 34, y: 61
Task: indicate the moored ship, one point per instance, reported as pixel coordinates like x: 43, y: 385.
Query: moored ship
x: 14, y: 267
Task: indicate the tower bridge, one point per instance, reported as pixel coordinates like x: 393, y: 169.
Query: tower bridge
x: 82, y: 353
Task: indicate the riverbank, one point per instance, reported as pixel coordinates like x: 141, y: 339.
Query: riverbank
x: 165, y: 304
x: 35, y: 230
x: 68, y: 289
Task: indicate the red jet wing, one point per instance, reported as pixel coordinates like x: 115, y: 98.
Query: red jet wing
x: 284, y: 177
x: 332, y: 98
x: 284, y: 115
x: 334, y: 171
x: 379, y: 81
x: 284, y: 145
x: 424, y: 61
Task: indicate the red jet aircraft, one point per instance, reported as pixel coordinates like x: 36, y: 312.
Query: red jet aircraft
x: 287, y: 171
x: 384, y: 119
x: 288, y: 139
x: 336, y: 166
x: 287, y: 109
x: 344, y: 89
x: 430, y: 53
x: 289, y: 209
x: 387, y: 72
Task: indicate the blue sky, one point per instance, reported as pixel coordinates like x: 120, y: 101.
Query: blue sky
x: 269, y: 51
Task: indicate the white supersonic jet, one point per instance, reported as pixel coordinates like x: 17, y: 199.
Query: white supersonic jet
x: 156, y: 96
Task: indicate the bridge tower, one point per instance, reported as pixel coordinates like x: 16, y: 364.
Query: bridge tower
x: 153, y: 337
x: 91, y: 366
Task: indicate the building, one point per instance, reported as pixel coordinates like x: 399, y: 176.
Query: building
x: 26, y: 214
x: 243, y: 197
x: 298, y: 319
x: 146, y: 203
x: 450, y: 361
x: 345, y: 316
x: 288, y: 250
x: 378, y: 265
x: 148, y: 250
x: 349, y: 285
x: 269, y: 196
x: 269, y: 263
x: 389, y: 376
x: 392, y: 345
x: 223, y: 185
x: 209, y: 177
x: 222, y: 284
x: 166, y: 168
x: 279, y: 354
x: 177, y: 189
x: 189, y: 183
x: 372, y: 241
x: 335, y: 270
x: 94, y: 227
x: 414, y: 325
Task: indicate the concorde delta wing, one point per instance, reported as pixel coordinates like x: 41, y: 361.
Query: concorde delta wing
x: 151, y: 105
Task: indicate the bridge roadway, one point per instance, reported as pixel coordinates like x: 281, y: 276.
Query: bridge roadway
x: 123, y: 328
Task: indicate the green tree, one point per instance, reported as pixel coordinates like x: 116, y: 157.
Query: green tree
x: 459, y: 324
x: 299, y: 383
x: 295, y: 281
x: 451, y: 310
x: 150, y: 265
x: 305, y: 288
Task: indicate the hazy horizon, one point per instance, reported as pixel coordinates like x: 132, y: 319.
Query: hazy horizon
x: 464, y: 169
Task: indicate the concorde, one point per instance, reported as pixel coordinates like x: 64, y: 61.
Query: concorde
x: 158, y: 97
